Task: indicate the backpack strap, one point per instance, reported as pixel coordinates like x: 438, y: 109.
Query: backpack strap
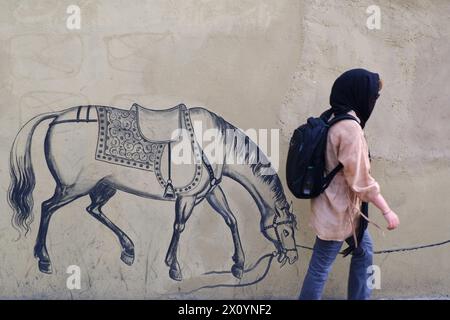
x: 340, y: 118
x: 326, y: 114
x: 331, y: 122
x: 331, y: 175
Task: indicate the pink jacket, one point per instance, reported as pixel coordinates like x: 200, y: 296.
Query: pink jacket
x: 335, y: 212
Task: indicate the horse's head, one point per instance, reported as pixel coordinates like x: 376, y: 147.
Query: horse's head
x: 279, y: 227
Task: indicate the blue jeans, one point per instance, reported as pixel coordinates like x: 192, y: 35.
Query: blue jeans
x: 322, y: 259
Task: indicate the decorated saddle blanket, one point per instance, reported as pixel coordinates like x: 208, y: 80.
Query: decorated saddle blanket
x: 121, y: 142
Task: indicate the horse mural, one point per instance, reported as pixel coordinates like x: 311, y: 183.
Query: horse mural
x: 96, y: 150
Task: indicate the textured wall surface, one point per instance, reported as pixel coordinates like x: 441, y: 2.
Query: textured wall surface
x: 259, y: 64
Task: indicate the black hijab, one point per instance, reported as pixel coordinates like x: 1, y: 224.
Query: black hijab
x: 357, y: 90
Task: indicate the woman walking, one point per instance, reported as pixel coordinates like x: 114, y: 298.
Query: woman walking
x: 340, y: 213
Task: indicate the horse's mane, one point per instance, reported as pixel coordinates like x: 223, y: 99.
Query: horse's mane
x: 245, y: 151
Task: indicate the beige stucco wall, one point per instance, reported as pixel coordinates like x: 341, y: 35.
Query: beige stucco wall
x: 259, y: 64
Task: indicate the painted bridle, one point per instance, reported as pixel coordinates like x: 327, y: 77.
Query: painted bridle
x: 290, y: 221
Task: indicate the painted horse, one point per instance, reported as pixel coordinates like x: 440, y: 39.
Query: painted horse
x: 96, y: 150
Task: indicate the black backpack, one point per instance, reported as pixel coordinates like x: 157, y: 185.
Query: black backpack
x: 305, y: 166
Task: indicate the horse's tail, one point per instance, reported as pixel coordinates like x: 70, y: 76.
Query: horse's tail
x: 20, y: 192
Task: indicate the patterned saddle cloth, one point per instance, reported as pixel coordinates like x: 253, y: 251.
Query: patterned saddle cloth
x: 122, y: 142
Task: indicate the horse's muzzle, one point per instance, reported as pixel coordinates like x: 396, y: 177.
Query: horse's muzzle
x: 290, y: 256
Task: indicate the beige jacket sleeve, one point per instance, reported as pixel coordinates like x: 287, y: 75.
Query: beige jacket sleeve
x: 353, y: 153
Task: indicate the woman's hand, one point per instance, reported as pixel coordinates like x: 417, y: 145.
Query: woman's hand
x: 392, y: 220
x: 390, y: 216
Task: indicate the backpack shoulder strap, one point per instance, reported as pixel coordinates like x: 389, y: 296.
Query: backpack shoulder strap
x: 333, y: 172
x: 340, y: 118
x: 331, y: 175
x: 326, y: 114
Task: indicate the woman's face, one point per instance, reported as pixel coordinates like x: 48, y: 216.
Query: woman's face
x: 380, y: 86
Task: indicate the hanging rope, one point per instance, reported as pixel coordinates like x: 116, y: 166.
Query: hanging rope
x: 397, y: 249
x: 413, y: 248
x: 239, y: 285
x: 251, y: 268
x: 271, y: 256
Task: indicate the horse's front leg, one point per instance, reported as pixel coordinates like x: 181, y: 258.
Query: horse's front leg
x: 218, y: 201
x: 183, y: 210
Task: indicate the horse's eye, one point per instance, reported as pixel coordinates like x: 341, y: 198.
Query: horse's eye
x: 286, y: 233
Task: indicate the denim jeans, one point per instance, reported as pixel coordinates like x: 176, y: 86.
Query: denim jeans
x: 322, y: 259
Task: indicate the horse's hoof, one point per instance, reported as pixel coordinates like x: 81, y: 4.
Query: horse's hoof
x: 45, y: 267
x: 127, y: 258
x: 237, y: 271
x: 175, y: 274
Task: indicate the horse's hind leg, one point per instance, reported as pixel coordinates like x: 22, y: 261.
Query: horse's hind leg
x: 61, y: 197
x: 219, y: 202
x: 99, y: 196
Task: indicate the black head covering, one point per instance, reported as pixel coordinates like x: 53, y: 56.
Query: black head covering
x: 357, y: 90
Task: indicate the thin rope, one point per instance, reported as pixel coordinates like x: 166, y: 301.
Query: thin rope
x: 239, y: 285
x: 395, y: 249
x: 266, y: 271
x: 413, y: 248
x: 251, y: 268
